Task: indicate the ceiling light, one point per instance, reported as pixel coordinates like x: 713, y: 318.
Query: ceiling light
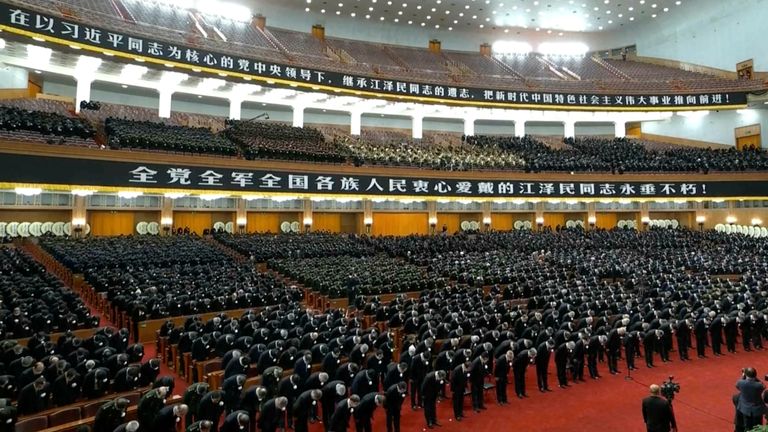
x: 83, y: 192
x: 175, y: 195
x: 129, y: 194
x: 212, y: 197
x: 38, y: 56
x: 28, y: 191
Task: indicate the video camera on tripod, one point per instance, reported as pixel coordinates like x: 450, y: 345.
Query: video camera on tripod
x: 669, y: 388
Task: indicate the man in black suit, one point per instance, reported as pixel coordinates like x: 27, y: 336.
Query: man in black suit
x: 341, y: 414
x: 751, y: 404
x: 303, y: 407
x: 478, y: 371
x: 430, y: 388
x: 519, y: 366
x: 459, y: 378
x: 501, y: 374
x: 657, y: 412
x: 168, y: 417
x: 364, y: 411
x: 395, y: 396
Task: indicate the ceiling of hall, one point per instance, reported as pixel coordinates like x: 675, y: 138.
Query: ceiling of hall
x: 551, y: 16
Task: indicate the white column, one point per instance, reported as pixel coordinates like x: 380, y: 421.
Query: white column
x: 469, y: 126
x: 164, y: 107
x: 235, y: 108
x: 519, y: 128
x: 355, y: 124
x: 418, y: 125
x: 83, y: 92
x: 298, y: 116
x: 620, y: 129
x: 570, y: 129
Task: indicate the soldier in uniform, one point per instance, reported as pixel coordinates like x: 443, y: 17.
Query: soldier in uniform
x: 110, y: 415
x: 192, y: 396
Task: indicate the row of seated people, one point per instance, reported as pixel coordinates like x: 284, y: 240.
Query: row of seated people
x: 411, y: 153
x: 262, y: 140
x: 51, y: 127
x: 33, y: 300
x: 155, y: 277
x: 262, y: 247
x: 150, y: 135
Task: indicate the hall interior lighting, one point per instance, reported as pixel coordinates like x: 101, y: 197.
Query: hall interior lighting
x: 574, y: 49
x: 28, y: 191
x: 82, y: 192
x: 129, y: 194
x: 504, y: 47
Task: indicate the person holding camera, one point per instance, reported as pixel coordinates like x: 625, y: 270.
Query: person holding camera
x: 657, y: 412
x: 750, y: 404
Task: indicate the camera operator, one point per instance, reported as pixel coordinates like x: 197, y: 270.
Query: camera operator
x: 750, y: 404
x: 657, y: 412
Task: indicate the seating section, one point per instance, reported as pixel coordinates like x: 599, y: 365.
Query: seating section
x: 270, y: 140
x: 262, y: 247
x: 156, y: 277
x: 34, y: 300
x: 149, y: 135
x: 40, y: 126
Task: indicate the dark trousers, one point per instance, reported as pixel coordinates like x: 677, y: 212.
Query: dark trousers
x: 613, y: 360
x: 578, y: 370
x: 501, y: 390
x: 458, y: 404
x: 717, y: 342
x: 393, y: 420
x: 477, y: 395
x: 701, y: 345
x: 629, y: 354
x: 562, y: 377
x: 417, y: 399
x: 519, y: 382
x: 363, y: 425
x: 541, y: 376
x: 301, y: 424
x: 751, y: 421
x: 430, y: 410
x: 592, y: 366
x: 649, y: 356
x: 682, y: 348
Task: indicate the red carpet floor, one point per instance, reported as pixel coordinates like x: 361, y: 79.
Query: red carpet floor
x: 611, y: 403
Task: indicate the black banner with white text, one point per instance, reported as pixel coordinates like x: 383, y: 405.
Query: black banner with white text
x: 27, y: 20
x: 44, y: 170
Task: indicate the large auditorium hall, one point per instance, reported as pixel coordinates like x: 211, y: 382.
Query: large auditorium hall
x: 383, y: 215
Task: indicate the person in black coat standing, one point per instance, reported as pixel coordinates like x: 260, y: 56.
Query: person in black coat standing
x: 110, y: 415
x: 501, y: 375
x: 272, y: 414
x: 211, y: 407
x: 303, y: 407
x: 657, y: 412
x: 543, y: 354
x: 683, y: 335
x: 751, y: 404
x: 459, y: 378
x: 342, y: 412
x: 700, y: 331
x: 420, y: 367
x: 365, y: 409
x: 34, y: 397
x: 333, y: 393
x: 236, y: 422
x: 519, y: 366
x: 477, y: 372
x: 168, y: 417
x: 430, y: 388
x: 395, y: 394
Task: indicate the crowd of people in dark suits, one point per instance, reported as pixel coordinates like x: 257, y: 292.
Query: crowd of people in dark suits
x: 33, y: 300
x: 45, y: 123
x: 274, y: 140
x: 263, y: 247
x: 151, y: 277
x: 146, y: 135
x: 491, y: 308
x: 265, y: 140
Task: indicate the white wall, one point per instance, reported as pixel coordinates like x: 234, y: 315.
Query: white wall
x: 714, y: 33
x: 13, y: 77
x: 716, y: 127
